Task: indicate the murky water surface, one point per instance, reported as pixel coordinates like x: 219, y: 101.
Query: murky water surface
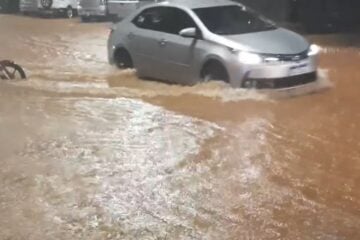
x: 89, y: 152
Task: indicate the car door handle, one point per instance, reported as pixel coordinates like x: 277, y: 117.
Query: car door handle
x: 162, y: 42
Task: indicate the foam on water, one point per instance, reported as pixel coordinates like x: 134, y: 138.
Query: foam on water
x: 145, y: 177
x: 122, y: 153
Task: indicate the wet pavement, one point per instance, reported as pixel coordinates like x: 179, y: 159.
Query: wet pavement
x: 90, y: 152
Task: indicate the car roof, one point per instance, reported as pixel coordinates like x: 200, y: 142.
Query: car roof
x: 199, y: 3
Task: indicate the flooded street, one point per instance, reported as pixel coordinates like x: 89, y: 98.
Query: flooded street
x: 90, y: 152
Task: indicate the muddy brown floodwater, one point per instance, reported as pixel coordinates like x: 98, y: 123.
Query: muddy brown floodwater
x: 89, y: 152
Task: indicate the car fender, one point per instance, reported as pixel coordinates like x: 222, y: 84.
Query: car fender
x: 230, y: 63
x: 212, y: 57
x: 112, y: 50
x: 118, y: 39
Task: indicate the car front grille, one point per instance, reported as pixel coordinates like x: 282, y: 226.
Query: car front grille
x: 287, y: 57
x: 276, y: 83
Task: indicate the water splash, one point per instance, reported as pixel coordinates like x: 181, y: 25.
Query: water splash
x: 126, y: 84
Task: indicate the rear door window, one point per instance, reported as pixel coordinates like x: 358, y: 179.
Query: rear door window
x: 164, y: 19
x: 176, y: 20
x: 151, y: 19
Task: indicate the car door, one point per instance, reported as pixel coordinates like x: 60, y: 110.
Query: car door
x: 145, y: 40
x: 178, y: 53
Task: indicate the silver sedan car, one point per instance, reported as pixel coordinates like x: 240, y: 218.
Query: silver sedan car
x: 188, y: 41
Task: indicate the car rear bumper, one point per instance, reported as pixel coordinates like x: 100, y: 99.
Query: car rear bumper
x: 92, y: 12
x: 50, y: 11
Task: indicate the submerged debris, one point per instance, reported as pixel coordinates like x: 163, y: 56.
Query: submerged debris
x: 10, y: 70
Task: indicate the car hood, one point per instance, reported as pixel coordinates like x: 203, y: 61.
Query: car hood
x: 277, y: 41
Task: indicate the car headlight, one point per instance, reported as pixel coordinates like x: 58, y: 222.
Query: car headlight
x: 313, y: 50
x: 250, y: 58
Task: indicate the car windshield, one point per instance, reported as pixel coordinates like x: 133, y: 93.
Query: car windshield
x: 232, y: 20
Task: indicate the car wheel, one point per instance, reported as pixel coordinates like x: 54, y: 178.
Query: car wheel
x: 70, y: 12
x: 214, y: 70
x: 123, y: 59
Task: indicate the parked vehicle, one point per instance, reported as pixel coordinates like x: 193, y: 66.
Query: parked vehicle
x: 67, y: 8
x: 119, y: 9
x: 186, y: 41
x: 89, y: 9
x: 112, y: 9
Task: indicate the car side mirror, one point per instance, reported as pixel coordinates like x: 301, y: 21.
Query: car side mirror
x: 189, y: 32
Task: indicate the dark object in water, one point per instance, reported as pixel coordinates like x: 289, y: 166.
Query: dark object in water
x: 10, y: 70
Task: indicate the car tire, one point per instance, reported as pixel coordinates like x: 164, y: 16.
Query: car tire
x: 123, y: 59
x: 214, y: 70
